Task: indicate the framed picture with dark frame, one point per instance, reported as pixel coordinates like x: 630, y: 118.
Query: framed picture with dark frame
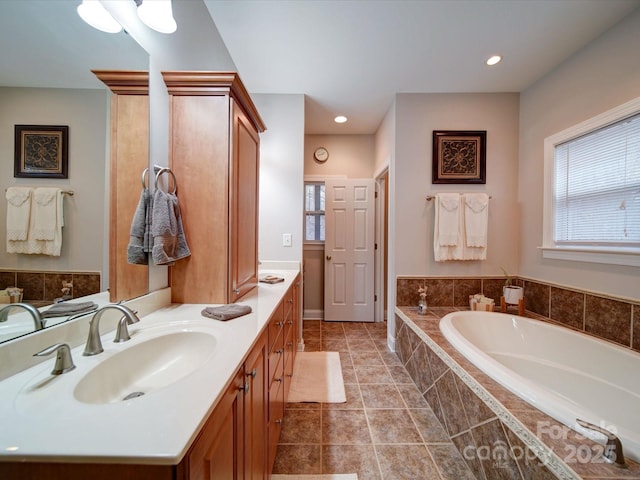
x: 41, y: 151
x: 459, y: 156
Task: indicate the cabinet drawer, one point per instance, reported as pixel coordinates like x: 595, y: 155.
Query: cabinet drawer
x: 276, y: 324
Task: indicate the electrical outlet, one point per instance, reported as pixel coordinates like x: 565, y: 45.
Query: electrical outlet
x: 286, y: 239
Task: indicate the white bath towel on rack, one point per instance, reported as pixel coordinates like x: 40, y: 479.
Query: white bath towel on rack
x: 476, y: 218
x: 45, y: 211
x: 18, y: 212
x: 33, y: 245
x: 447, y: 240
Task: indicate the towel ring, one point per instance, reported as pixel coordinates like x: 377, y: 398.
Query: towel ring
x: 145, y: 177
x: 175, y: 182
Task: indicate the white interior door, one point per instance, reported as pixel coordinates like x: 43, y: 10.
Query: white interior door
x: 349, y: 250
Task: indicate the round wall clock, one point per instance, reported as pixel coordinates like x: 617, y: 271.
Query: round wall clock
x: 321, y: 154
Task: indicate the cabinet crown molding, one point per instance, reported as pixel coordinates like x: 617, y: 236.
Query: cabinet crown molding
x: 124, y: 82
x: 213, y: 83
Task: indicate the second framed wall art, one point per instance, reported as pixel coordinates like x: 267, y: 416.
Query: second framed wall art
x: 459, y: 156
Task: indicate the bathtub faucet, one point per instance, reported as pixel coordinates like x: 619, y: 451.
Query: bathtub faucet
x: 613, y: 449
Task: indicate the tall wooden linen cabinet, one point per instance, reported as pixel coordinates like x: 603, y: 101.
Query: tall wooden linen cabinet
x: 215, y: 156
x: 129, y: 157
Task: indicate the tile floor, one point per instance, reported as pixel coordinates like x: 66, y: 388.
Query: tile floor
x: 384, y: 431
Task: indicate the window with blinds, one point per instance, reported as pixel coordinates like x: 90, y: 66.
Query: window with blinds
x: 596, y: 187
x: 314, y: 215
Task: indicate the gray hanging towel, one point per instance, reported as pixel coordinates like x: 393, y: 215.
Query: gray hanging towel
x: 138, y: 235
x: 169, y: 242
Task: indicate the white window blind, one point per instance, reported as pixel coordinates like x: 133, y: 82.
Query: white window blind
x: 314, y: 223
x: 597, y: 187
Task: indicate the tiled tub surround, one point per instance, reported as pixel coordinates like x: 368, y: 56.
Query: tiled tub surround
x: 615, y: 320
x: 44, y: 287
x: 499, y: 434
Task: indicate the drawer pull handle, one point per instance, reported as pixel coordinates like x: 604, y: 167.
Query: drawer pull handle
x: 279, y: 324
x: 278, y: 421
x: 279, y: 379
x: 253, y: 373
x: 244, y: 388
x: 280, y: 351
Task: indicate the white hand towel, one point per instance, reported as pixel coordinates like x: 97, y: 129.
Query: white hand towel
x: 18, y: 211
x: 476, y: 217
x: 452, y: 227
x: 448, y: 215
x: 32, y: 245
x: 46, y: 213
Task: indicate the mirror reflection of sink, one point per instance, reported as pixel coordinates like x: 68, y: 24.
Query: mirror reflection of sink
x: 145, y: 367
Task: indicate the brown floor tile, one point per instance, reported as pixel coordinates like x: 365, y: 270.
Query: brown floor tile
x: 302, y: 459
x: 372, y: 374
x: 392, y: 426
x: 360, y: 459
x: 401, y: 462
x: 385, y: 441
x: 301, y: 426
x: 381, y: 395
x: 345, y: 427
x: 366, y: 358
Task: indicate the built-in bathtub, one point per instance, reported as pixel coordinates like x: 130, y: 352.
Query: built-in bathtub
x: 566, y: 374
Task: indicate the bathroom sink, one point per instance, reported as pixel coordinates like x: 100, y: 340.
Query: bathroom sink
x: 146, y: 367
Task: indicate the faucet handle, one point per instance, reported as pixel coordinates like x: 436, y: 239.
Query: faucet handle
x: 613, y: 449
x: 64, y: 362
x: 122, y: 332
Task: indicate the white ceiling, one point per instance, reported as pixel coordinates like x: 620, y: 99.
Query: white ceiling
x: 346, y: 56
x: 44, y: 43
x: 351, y: 56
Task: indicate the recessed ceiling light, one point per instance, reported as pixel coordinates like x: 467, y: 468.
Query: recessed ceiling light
x: 493, y: 60
x: 340, y: 119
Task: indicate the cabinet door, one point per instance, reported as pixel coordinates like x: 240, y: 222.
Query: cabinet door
x: 218, y: 453
x: 255, y: 412
x: 244, y: 171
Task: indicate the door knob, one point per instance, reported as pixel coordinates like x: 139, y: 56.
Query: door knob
x: 328, y: 257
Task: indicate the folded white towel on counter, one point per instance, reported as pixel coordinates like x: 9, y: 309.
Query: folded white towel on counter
x: 45, y: 211
x: 18, y: 212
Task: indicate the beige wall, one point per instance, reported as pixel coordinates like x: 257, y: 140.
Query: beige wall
x: 417, y: 115
x: 352, y: 156
x: 603, y: 75
x: 85, y: 112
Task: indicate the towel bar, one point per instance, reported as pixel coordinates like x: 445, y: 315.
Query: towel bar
x: 431, y: 197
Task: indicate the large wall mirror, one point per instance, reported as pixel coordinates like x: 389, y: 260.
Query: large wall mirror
x: 46, y: 59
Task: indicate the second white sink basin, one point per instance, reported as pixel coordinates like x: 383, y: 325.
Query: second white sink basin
x: 145, y: 367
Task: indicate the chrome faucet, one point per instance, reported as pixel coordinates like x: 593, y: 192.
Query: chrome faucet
x: 94, y: 345
x: 37, y: 319
x: 613, y: 449
x: 122, y: 333
x: 64, y: 362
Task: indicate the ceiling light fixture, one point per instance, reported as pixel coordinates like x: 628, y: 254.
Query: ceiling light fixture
x: 494, y: 60
x: 340, y: 119
x: 92, y: 12
x: 157, y: 14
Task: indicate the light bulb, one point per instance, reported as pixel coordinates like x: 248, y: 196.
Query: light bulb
x: 92, y: 12
x: 158, y: 15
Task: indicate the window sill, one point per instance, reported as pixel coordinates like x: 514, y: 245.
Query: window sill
x: 629, y: 257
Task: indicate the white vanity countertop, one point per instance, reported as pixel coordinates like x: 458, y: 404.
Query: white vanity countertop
x: 41, y: 419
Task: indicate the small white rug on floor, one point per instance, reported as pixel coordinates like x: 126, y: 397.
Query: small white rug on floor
x: 317, y: 377
x: 339, y: 476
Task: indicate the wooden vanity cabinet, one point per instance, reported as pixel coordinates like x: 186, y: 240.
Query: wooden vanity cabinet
x: 214, y: 154
x: 233, y: 443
